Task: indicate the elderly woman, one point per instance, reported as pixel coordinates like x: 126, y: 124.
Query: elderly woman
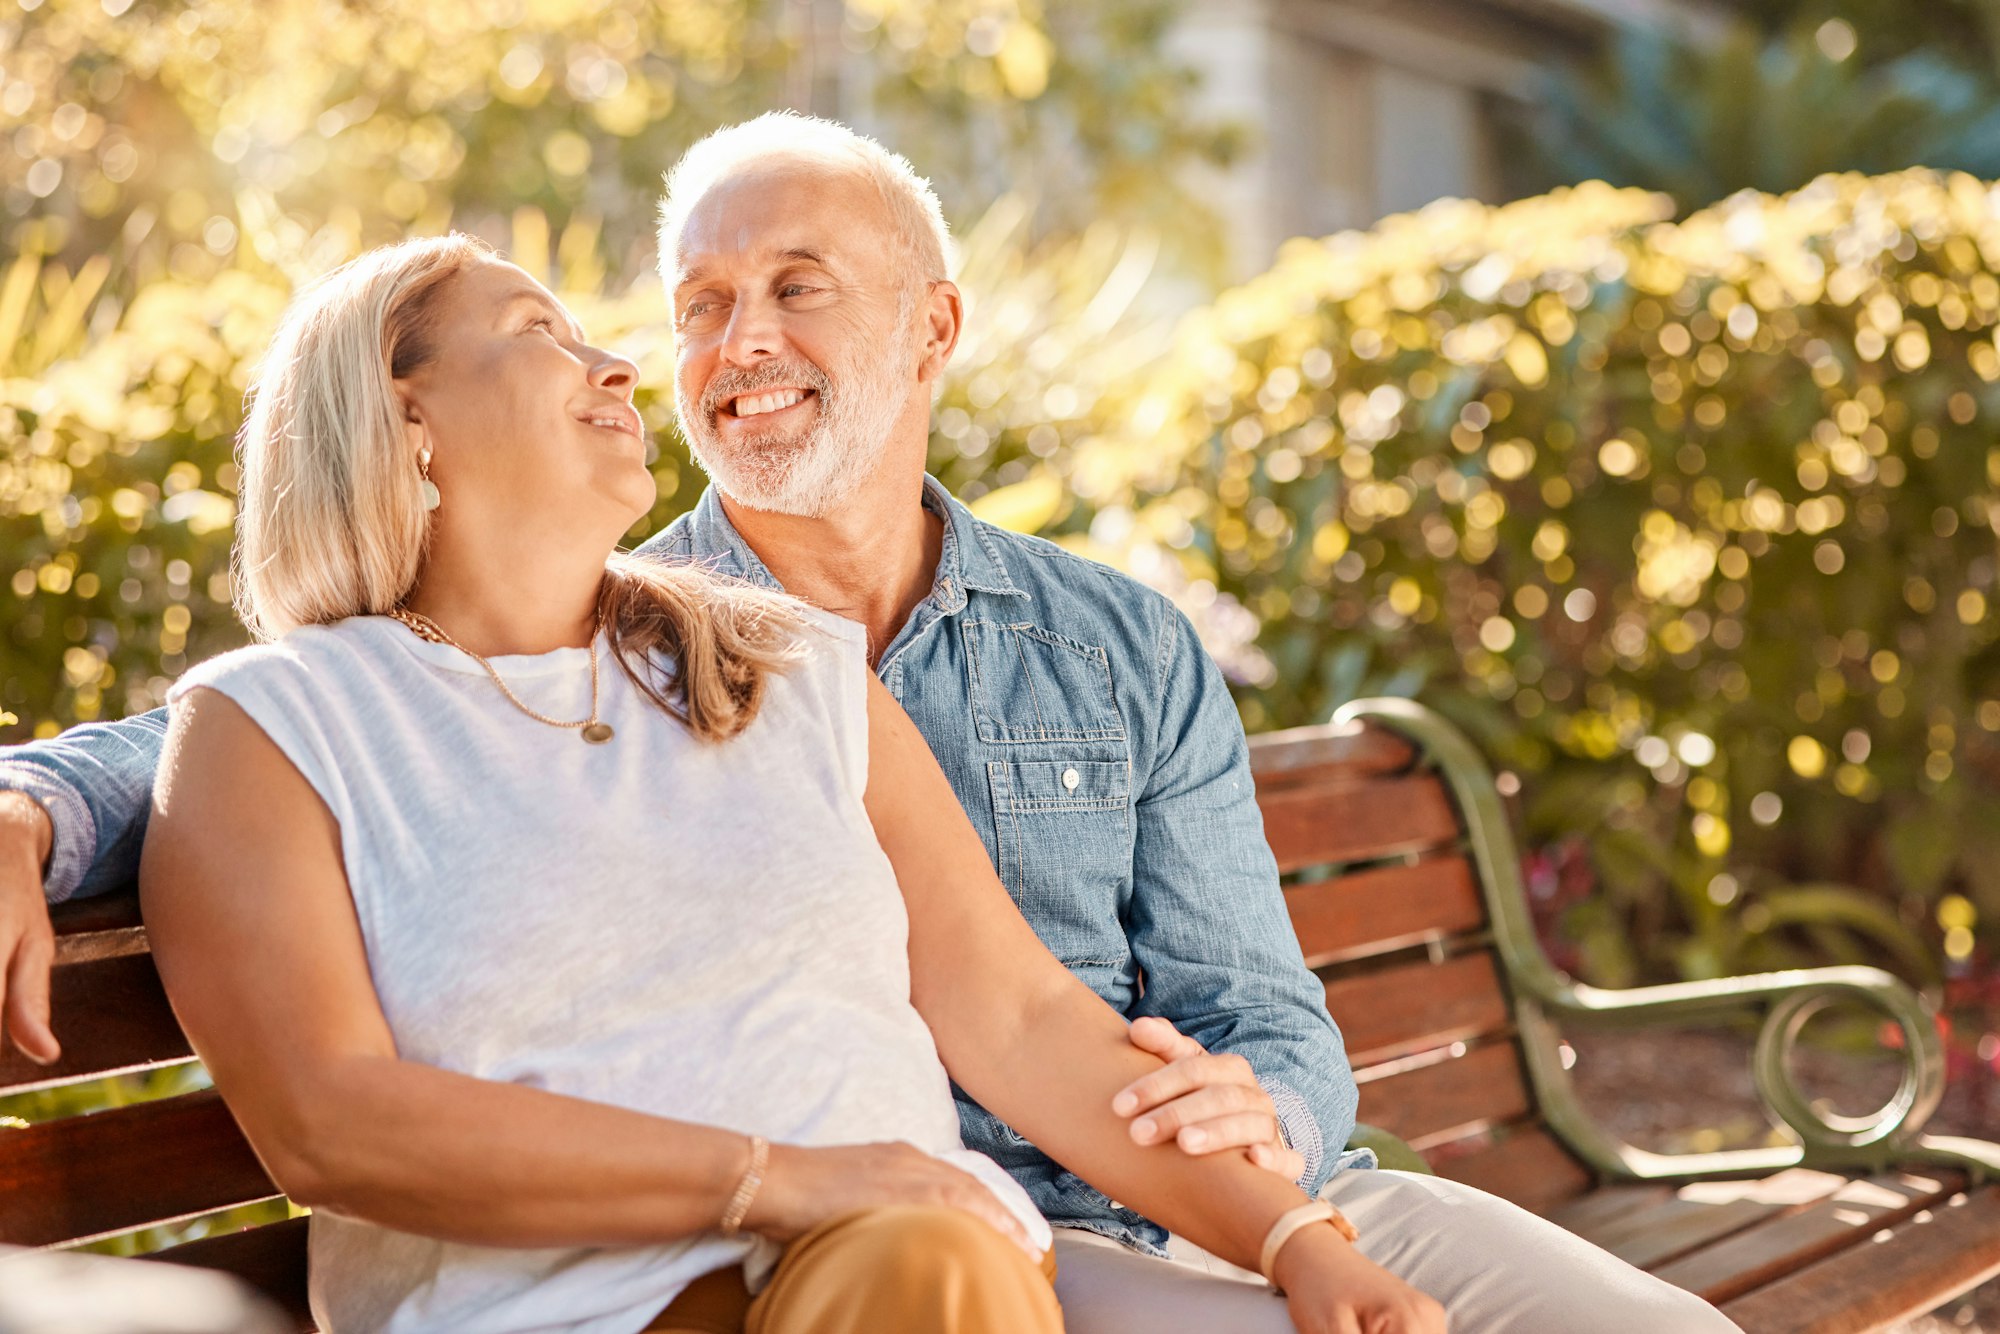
x: 624, y: 929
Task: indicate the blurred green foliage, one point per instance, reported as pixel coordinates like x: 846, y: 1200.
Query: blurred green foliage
x: 1692, y: 524
x: 144, y: 131
x: 1791, y: 90
x: 117, y: 421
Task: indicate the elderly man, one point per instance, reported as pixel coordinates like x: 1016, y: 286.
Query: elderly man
x: 1086, y: 733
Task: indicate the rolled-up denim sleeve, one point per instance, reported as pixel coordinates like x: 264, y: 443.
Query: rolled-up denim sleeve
x: 96, y: 783
x: 1208, y: 922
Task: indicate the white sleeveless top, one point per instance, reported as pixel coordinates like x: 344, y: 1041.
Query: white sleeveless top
x: 704, y: 932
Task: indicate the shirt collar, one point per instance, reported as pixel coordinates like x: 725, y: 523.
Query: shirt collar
x: 970, y: 558
x: 970, y: 554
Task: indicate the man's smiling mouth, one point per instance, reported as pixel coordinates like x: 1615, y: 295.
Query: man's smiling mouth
x: 775, y: 400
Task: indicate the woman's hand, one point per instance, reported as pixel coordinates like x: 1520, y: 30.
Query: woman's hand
x: 1331, y: 1288
x: 805, y: 1187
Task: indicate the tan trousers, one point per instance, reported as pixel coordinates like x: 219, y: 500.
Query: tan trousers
x: 910, y: 1269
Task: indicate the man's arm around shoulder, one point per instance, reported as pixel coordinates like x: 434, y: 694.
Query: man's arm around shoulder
x: 72, y: 819
x: 27, y: 945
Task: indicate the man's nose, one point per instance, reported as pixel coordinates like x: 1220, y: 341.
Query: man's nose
x: 753, y: 334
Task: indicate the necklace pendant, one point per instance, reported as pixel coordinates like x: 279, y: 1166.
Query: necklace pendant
x: 598, y: 733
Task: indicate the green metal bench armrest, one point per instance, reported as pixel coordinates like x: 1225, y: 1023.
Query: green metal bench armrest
x: 1543, y: 994
x: 1389, y: 1151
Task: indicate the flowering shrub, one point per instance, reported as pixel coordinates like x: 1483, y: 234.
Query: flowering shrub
x: 1691, y: 524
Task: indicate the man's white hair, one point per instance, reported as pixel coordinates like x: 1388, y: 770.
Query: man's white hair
x: 918, y: 225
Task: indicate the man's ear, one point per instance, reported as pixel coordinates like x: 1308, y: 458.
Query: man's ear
x: 943, y: 320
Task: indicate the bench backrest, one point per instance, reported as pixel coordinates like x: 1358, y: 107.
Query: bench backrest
x: 1384, y: 899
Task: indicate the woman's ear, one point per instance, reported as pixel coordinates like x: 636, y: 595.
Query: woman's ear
x: 414, y: 431
x: 417, y: 438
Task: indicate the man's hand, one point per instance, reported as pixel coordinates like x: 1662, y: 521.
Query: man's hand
x: 27, y: 944
x: 1203, y: 1103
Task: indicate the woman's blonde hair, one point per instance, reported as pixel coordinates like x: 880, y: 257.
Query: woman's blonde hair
x: 332, y: 521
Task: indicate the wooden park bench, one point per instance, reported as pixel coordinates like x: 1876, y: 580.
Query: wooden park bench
x: 1405, y: 890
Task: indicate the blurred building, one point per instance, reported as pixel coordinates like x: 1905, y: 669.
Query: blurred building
x: 1362, y: 108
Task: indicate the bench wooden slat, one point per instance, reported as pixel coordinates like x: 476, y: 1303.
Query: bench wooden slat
x: 1415, y: 1007
x: 1601, y: 1207
x: 1775, y: 1248
x: 155, y: 1162
x: 1698, y: 1215
x: 111, y: 1016
x: 1925, y: 1262
x: 99, y: 927
x: 1384, y: 908
x: 1325, y: 753
x: 1527, y: 1166
x: 1343, y: 822
x: 271, y: 1259
x: 1434, y: 1102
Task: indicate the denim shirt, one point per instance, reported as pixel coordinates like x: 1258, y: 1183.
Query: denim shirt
x: 1095, y: 747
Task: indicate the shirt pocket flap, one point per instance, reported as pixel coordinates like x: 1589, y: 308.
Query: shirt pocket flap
x: 1020, y: 786
x: 1030, y: 685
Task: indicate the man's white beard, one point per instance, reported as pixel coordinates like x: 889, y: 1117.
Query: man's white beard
x: 810, y: 474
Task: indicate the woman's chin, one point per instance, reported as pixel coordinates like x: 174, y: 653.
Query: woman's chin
x: 635, y: 495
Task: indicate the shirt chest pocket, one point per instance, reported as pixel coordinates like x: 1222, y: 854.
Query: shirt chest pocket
x: 1060, y: 778
x: 1063, y: 835
x: 1031, y: 686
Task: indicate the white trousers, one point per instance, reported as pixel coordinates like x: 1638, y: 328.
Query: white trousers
x: 1493, y: 1265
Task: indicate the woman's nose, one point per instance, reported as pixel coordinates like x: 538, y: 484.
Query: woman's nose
x: 612, y: 371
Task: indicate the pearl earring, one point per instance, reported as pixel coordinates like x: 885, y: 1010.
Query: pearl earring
x: 431, y: 498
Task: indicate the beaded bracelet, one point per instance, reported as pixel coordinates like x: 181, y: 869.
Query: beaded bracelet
x: 746, y: 1188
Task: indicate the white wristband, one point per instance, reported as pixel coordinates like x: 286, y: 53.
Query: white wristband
x: 1290, y: 1224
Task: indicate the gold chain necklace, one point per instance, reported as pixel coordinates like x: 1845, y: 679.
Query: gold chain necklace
x: 423, y: 627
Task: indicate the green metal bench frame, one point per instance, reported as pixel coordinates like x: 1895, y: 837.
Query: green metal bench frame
x: 1544, y: 997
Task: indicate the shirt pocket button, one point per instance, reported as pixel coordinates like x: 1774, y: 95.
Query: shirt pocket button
x: 1070, y: 779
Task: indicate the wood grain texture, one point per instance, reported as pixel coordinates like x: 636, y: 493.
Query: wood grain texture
x: 1702, y: 1214
x: 1345, y: 822
x: 1602, y: 1206
x: 88, y: 1176
x: 271, y: 1259
x: 1772, y: 1249
x: 1327, y: 754
x: 1384, y: 908
x: 100, y: 927
x: 1924, y: 1262
x: 1415, y: 1007
x: 1436, y: 1102
x: 111, y: 1016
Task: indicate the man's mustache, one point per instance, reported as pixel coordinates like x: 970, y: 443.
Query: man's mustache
x: 736, y: 382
